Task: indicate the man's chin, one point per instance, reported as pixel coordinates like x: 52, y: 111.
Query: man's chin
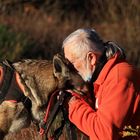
x: 87, y: 78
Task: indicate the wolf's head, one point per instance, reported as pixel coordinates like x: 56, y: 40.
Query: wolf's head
x: 67, y: 75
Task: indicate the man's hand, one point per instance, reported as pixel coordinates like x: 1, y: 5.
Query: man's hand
x: 72, y: 99
x: 77, y: 96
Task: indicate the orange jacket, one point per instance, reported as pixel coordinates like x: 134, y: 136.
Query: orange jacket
x: 117, y: 92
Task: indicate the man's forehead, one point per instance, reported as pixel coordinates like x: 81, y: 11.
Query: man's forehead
x: 70, y: 56
x: 69, y: 52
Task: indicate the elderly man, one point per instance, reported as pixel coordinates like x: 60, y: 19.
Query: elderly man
x: 116, y: 86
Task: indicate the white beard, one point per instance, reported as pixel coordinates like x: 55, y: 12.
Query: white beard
x: 87, y: 76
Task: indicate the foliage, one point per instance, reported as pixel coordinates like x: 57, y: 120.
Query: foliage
x: 12, y: 45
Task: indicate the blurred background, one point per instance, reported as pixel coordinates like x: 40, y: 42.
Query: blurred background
x: 37, y: 28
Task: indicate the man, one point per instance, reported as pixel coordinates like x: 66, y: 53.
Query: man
x: 116, y: 86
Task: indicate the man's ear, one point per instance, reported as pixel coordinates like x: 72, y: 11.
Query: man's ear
x: 59, y: 67
x: 92, y: 58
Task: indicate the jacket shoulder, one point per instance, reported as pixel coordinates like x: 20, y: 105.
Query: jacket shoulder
x: 124, y: 70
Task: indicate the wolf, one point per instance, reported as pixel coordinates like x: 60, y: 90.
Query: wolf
x: 45, y: 76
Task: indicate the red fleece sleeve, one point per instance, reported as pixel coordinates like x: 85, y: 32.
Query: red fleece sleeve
x: 116, y: 107
x: 80, y: 113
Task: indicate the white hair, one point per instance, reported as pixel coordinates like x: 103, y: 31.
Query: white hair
x: 84, y: 40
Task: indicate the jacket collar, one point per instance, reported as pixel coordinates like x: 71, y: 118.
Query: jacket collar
x: 105, y: 70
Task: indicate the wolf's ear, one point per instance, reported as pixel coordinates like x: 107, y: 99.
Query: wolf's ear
x: 60, y: 69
